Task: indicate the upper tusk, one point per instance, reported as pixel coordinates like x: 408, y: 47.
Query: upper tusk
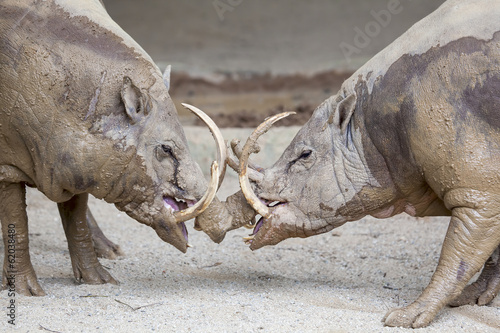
x: 234, y: 162
x: 249, y: 148
x: 219, y: 139
x: 237, y: 149
x: 204, y: 202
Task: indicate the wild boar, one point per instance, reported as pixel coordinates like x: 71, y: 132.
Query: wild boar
x: 84, y: 110
x: 415, y: 130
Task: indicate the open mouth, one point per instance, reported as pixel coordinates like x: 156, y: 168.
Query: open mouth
x: 175, y: 204
x: 271, y: 204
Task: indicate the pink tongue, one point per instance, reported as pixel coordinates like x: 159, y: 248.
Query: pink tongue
x: 258, y: 225
x: 172, y: 203
x: 178, y: 205
x: 184, y: 231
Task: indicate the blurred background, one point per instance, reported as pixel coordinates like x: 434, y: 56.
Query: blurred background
x: 241, y: 60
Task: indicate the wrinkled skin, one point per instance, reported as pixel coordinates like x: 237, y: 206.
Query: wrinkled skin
x: 84, y: 110
x: 415, y: 130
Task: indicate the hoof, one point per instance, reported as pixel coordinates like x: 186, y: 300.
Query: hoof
x: 412, y: 316
x: 25, y: 284
x: 94, y: 275
x: 480, y: 293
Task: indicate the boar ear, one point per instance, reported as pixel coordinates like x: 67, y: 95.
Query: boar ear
x: 137, y: 103
x: 343, y: 112
x: 166, y: 77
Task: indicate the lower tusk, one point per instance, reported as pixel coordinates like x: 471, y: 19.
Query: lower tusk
x: 219, y: 139
x: 200, y: 206
x: 189, y: 245
x: 249, y: 148
x: 248, y: 239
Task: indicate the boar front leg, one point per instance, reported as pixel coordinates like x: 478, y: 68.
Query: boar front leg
x: 104, y: 248
x: 17, y: 269
x: 472, y: 236
x: 86, y: 267
x: 486, y: 287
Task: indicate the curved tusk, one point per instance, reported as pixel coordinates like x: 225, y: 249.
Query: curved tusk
x: 249, y: 148
x: 234, y: 163
x: 237, y: 149
x: 204, y: 202
x: 233, y: 160
x: 219, y: 139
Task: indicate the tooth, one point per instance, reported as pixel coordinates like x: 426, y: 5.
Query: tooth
x: 249, y: 238
x: 189, y: 245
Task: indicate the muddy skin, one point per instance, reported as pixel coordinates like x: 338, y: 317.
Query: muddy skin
x: 74, y: 219
x: 414, y: 130
x: 84, y: 110
x: 486, y: 287
x: 218, y: 219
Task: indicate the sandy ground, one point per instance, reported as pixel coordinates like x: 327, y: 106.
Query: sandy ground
x: 341, y: 281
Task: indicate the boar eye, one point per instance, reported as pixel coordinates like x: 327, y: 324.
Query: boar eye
x: 303, y: 158
x: 167, y: 149
x: 305, y: 154
x: 163, y: 151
